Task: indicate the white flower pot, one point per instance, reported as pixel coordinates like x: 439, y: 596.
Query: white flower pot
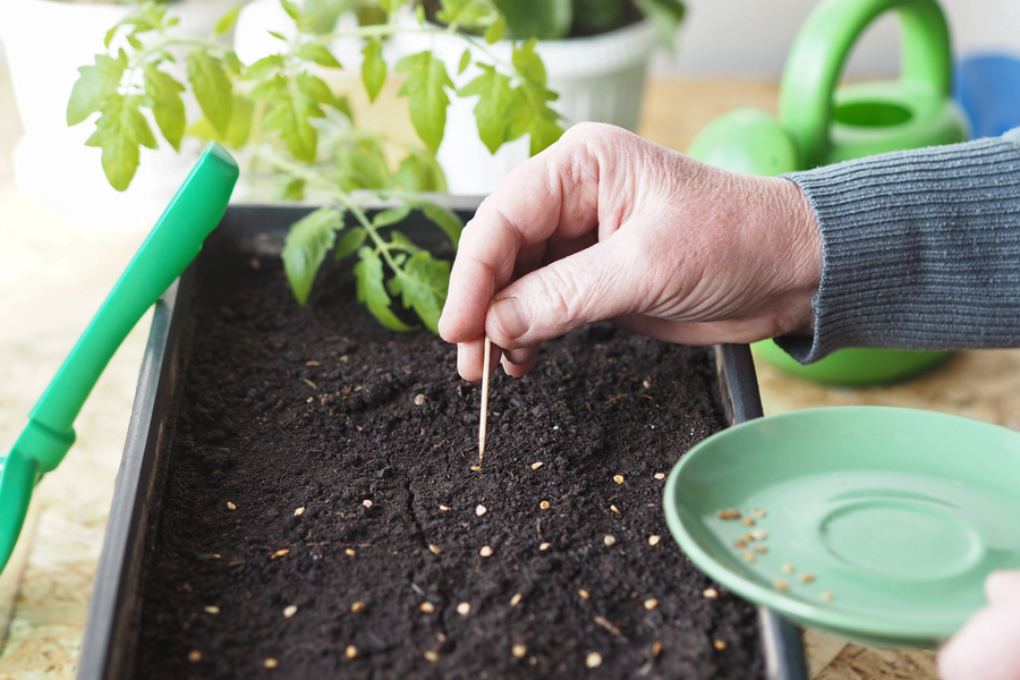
x: 599, y: 78
x: 45, y: 42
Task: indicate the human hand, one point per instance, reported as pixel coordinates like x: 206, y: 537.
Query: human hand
x: 606, y: 225
x: 988, y: 645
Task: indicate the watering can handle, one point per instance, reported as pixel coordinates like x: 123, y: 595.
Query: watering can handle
x: 817, y: 56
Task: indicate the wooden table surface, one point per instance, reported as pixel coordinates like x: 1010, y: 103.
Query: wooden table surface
x: 54, y: 274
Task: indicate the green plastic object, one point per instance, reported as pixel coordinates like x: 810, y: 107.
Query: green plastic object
x: 173, y: 243
x: 820, y: 123
x: 898, y: 514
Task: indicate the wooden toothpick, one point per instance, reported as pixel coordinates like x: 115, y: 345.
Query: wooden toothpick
x: 485, y: 401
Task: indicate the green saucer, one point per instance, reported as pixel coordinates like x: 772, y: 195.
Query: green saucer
x: 895, y: 515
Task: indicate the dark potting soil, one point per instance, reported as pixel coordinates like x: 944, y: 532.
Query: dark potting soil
x: 321, y: 518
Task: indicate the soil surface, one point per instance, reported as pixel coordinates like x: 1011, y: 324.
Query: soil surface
x: 321, y: 517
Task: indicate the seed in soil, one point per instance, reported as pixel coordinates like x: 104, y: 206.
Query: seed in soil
x: 194, y: 656
x: 826, y: 596
x: 289, y: 611
x: 474, y: 468
x: 299, y: 511
x: 788, y: 568
x: 486, y: 551
x: 807, y: 577
x: 760, y: 534
x: 516, y: 599
x: 710, y: 593
x: 583, y: 593
x: 231, y: 505
x: 747, y: 521
x: 654, y: 539
x: 535, y: 466
x: 350, y: 552
x: 212, y: 609
x: 431, y: 656
x: 651, y: 603
x: 282, y: 552
x: 656, y: 648
x: 544, y: 505
x: 427, y: 607
x: 464, y: 608
x: 419, y: 400
x: 593, y: 660
x: 660, y: 475
x: 270, y: 663
x: 480, y: 510
x: 444, y: 508
x: 609, y: 540
x: 367, y: 503
x: 351, y: 651
x: 781, y: 584
x: 434, y: 548
x: 358, y: 607
x: 544, y: 546
x: 618, y: 479
x: 719, y: 644
x: 614, y: 509
x: 519, y: 651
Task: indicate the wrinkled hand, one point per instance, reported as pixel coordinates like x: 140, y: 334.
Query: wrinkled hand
x: 605, y: 225
x: 988, y: 645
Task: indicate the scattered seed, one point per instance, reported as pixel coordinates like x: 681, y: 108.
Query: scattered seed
x: 427, y: 607
x: 609, y: 540
x: 654, y: 539
x: 431, y: 656
x: 605, y: 623
x: 312, y: 363
x: 729, y: 513
x: 464, y: 608
x: 758, y: 512
x: 710, y: 593
x: 367, y: 503
x: 358, y: 607
x: 212, y: 609
x: 231, y: 506
x: 282, y: 552
x: 614, y: 509
x: 535, y: 466
x: 760, y: 534
x: 217, y: 556
x: 480, y: 510
x: 788, y: 568
x: 583, y: 593
x: 660, y: 475
x: 619, y: 480
x: 486, y: 551
x: 594, y: 660
x: 748, y: 556
x: 289, y: 611
x: 299, y: 511
x: 519, y: 651
x: 651, y: 603
x: 747, y: 521
x: 434, y: 548
x: 419, y: 400
x: 444, y: 508
x: 474, y: 468
x: 516, y: 599
x: 187, y: 588
x: 544, y: 505
x: 826, y: 596
x: 270, y: 663
x: 351, y: 552
x: 760, y: 549
x: 740, y: 543
x: 748, y: 537
x: 780, y: 584
x: 656, y: 648
x: 351, y: 651
x: 194, y: 656
x: 807, y: 577
x: 544, y: 546
x: 719, y: 644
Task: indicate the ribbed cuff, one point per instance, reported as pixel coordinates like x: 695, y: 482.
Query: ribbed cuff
x: 921, y: 249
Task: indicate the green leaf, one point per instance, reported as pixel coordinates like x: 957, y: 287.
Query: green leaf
x: 277, y: 35
x: 427, y: 100
x: 528, y: 64
x: 372, y: 290
x: 167, y: 105
x: 470, y: 14
x: 265, y: 66
x: 465, y: 61
x: 95, y: 84
x: 496, y: 102
x: 422, y: 284
x: 269, y: 89
x: 419, y: 171
x: 350, y: 242
x: 212, y: 87
x: 391, y: 6
x: 227, y: 21
x: 238, y: 131
x: 496, y: 31
x: 540, y: 19
x: 361, y: 164
x: 120, y: 130
x: 322, y: 15
x: 390, y: 217
x: 373, y: 68
x: 419, y: 14
x: 306, y: 246
x: 294, y: 190
x: 544, y: 132
x: 233, y: 63
x: 445, y: 219
x: 291, y: 118
x: 318, y: 53
x: 292, y: 10
x: 666, y: 15
x: 399, y: 241
x: 317, y: 89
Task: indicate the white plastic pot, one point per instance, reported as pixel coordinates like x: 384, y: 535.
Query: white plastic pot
x: 45, y: 42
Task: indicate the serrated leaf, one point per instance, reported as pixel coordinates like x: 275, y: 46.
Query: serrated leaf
x: 95, y: 84
x: 390, y: 217
x: 350, y: 242
x: 445, y: 219
x: 305, y: 248
x: 425, y: 88
x: 528, y: 64
x: 372, y: 289
x: 343, y: 105
x: 318, y: 53
x: 399, y: 241
x: 238, y: 132
x: 120, y: 130
x: 543, y: 132
x: 316, y: 88
x: 167, y: 105
x: 290, y: 117
x: 264, y: 67
x: 540, y: 19
x: 361, y: 164
x: 422, y: 285
x: 469, y: 14
x: 294, y: 190
x: 419, y: 171
x: 373, y: 68
x: 227, y: 21
x: 496, y: 31
x: 495, y: 103
x: 465, y: 61
x: 322, y: 15
x: 272, y: 88
x: 212, y: 87
x: 134, y: 42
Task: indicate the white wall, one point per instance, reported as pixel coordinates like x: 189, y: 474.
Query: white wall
x: 751, y: 37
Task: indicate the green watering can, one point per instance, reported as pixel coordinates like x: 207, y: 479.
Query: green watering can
x: 173, y: 243
x: 821, y: 124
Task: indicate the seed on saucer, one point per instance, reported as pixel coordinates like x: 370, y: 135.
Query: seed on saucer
x: 807, y: 577
x: 740, y: 543
x: 194, y: 656
x: 729, y: 513
x: 826, y: 596
x: 758, y: 512
x: 760, y: 534
x: 289, y: 611
x: 719, y: 644
x: 544, y: 505
x: 351, y: 651
x: 516, y: 599
x: 618, y: 479
x: 760, y: 549
x: 583, y: 593
x: 710, y: 593
x: 781, y: 584
x: 427, y: 607
x: 486, y: 551
x: 270, y: 663
x: 748, y: 556
x: 519, y: 651
x: 593, y: 660
x: 747, y: 521
x: 431, y: 656
x: 748, y: 537
x: 651, y: 603
x: 480, y: 510
x: 231, y: 506
x: 788, y: 568
x: 358, y: 607
x: 464, y: 608
x: 654, y: 539
x: 609, y: 540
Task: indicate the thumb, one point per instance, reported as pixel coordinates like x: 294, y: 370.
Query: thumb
x: 597, y: 283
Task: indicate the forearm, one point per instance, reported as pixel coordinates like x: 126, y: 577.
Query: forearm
x: 921, y: 249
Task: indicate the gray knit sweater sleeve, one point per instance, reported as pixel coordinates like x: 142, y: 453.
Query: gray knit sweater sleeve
x: 921, y: 249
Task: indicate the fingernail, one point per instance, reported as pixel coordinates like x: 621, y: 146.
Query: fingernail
x: 510, y: 317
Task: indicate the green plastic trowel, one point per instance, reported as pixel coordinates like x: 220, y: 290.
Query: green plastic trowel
x: 173, y: 243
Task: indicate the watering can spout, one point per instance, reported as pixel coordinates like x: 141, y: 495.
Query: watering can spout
x: 18, y: 477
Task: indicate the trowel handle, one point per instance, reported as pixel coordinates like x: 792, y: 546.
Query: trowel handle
x: 173, y: 243
x: 823, y: 44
